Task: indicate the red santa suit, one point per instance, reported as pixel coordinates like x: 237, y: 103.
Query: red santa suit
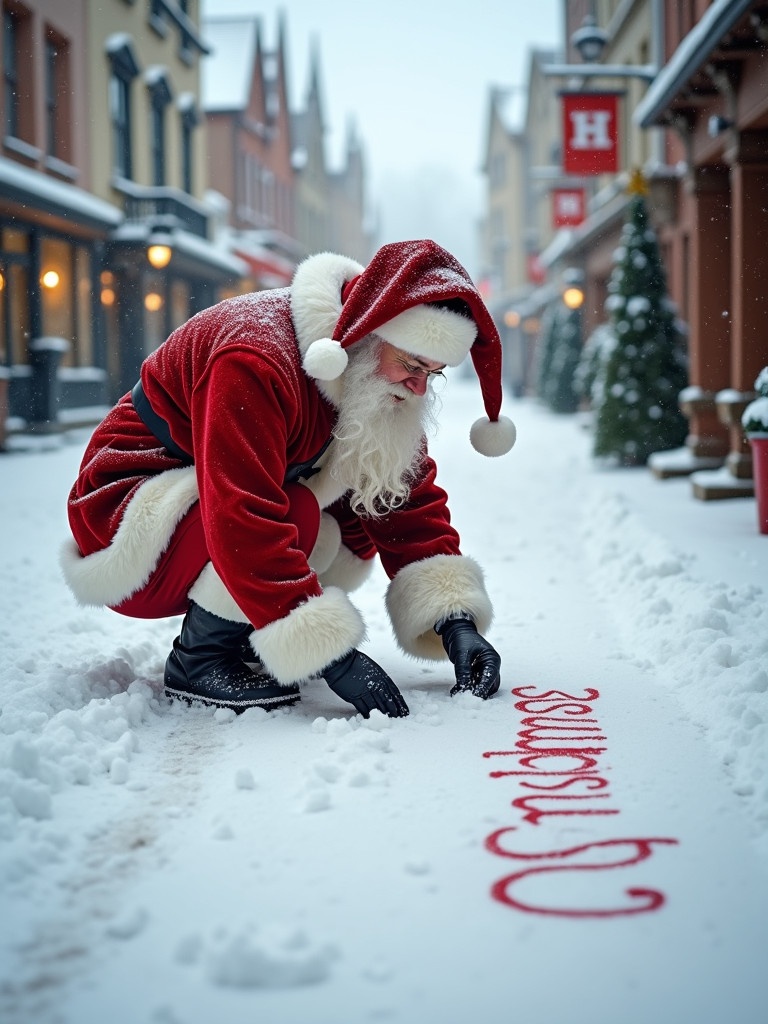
x: 243, y: 412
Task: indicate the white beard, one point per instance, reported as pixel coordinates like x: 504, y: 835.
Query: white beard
x: 379, y: 441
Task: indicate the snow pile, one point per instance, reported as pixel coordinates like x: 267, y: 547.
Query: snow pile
x: 708, y: 640
x: 77, y: 725
x: 275, y: 956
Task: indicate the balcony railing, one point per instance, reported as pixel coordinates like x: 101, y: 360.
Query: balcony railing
x: 166, y: 208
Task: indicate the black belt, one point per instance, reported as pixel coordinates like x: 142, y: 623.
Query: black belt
x: 156, y: 424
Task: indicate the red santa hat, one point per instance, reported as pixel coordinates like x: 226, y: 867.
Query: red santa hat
x: 419, y: 298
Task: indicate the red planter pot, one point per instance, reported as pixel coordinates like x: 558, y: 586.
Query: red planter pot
x: 759, y: 445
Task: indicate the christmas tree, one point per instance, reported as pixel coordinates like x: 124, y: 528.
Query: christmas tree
x: 546, y: 348
x: 560, y: 352
x: 646, y: 369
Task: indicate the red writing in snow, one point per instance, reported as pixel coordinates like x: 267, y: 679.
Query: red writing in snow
x: 627, y: 852
x: 557, y: 753
x: 557, y: 762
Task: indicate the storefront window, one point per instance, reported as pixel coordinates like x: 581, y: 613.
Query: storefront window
x: 14, y: 295
x: 15, y: 240
x: 154, y: 312
x: 84, y: 296
x: 179, y: 303
x: 3, y: 319
x: 56, y: 293
x: 17, y: 309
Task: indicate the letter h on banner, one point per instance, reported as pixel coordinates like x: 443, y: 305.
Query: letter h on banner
x: 590, y: 132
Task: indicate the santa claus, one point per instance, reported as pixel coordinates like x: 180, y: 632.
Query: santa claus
x: 273, y: 446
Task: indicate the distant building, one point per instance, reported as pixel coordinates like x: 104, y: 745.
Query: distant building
x: 521, y: 166
x: 248, y: 150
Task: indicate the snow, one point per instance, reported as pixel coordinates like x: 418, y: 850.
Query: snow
x: 227, y: 69
x: 179, y: 866
x: 755, y: 416
x: 47, y: 191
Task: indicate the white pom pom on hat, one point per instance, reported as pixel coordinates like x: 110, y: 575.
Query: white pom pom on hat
x: 423, y: 301
x: 493, y: 438
x: 325, y: 359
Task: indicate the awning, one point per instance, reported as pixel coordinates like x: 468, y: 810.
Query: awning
x: 268, y: 269
x: 39, y: 192
x: 688, y: 58
x: 192, y: 255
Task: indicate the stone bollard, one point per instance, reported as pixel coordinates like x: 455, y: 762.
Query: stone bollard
x: 5, y: 375
x: 46, y: 354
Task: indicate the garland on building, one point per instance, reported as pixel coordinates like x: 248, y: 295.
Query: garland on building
x: 645, y: 370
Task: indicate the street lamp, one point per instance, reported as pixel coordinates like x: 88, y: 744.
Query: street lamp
x: 159, y: 255
x: 573, y: 297
x: 589, y: 40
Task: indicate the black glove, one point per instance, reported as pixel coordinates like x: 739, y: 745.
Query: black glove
x: 358, y: 679
x: 477, y: 664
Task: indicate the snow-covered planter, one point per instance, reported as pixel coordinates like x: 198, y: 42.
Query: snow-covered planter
x: 754, y: 420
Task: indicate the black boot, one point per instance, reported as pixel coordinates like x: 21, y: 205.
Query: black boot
x: 206, y: 666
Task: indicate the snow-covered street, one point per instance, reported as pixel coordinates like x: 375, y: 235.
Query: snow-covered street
x: 589, y: 846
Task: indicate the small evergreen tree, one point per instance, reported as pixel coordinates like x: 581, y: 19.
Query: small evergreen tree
x: 560, y: 348
x: 588, y: 376
x: 646, y: 370
x: 546, y: 348
x: 560, y: 392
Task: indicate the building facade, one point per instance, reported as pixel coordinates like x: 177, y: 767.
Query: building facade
x: 132, y: 194
x: 711, y: 99
x: 162, y: 263
x: 53, y: 229
x: 248, y: 128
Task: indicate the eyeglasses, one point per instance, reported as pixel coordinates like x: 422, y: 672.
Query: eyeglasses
x: 414, y: 370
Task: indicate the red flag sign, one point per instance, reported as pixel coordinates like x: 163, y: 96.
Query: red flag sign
x: 568, y: 207
x: 590, y: 132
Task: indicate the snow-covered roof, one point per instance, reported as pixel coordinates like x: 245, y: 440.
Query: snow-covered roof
x: 692, y: 52
x: 226, y: 72
x: 56, y: 197
x: 510, y: 106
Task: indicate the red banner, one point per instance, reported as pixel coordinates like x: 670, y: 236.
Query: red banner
x: 535, y: 270
x: 590, y: 132
x: 569, y: 207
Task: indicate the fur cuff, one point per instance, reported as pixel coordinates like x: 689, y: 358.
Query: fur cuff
x: 426, y: 591
x: 114, y: 573
x: 209, y: 592
x: 307, y: 640
x: 347, y: 571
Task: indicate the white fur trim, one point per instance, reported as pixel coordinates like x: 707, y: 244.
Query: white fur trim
x: 327, y: 544
x: 316, y: 295
x: 325, y: 487
x: 209, y: 592
x: 111, y: 575
x: 325, y: 359
x: 493, y: 439
x: 432, y: 333
x: 347, y: 571
x: 426, y: 591
x: 313, y: 635
x: 316, y: 305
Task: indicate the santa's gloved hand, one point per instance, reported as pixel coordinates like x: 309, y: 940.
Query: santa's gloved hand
x: 358, y: 679
x: 476, y: 663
